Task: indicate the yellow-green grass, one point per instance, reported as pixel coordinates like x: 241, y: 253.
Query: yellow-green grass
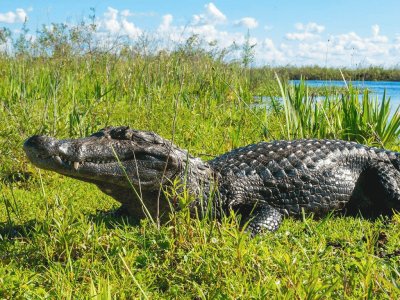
x: 57, y: 242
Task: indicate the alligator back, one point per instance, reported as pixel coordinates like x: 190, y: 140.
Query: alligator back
x: 317, y: 175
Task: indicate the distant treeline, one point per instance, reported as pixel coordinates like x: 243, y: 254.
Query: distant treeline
x: 371, y: 73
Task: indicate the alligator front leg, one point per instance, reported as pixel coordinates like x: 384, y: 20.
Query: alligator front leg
x: 264, y: 217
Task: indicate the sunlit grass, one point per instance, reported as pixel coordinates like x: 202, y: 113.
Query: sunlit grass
x: 56, y: 242
x: 349, y: 115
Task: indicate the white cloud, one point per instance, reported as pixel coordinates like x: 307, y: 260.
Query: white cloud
x: 111, y: 20
x: 375, y: 30
x: 306, y: 31
x: 166, y: 23
x: 116, y: 22
x: 299, y: 36
x: 376, y: 37
x: 130, y: 29
x: 310, y: 27
x: 247, y: 22
x: 268, y: 53
x: 126, y: 13
x: 21, y: 14
x: 11, y: 17
x: 312, y: 51
x: 212, y: 15
x: 215, y: 13
x: 204, y: 24
x: 308, y: 44
x: 369, y: 46
x: 345, y: 49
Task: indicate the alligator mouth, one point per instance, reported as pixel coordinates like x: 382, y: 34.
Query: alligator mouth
x: 141, y: 167
x: 64, y: 161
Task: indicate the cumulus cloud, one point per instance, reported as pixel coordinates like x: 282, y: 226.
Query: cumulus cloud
x: 268, y: 53
x: 215, y: 13
x: 299, y: 36
x: 310, y: 27
x: 247, y: 22
x: 344, y: 49
x: 19, y: 16
x: 117, y: 22
x: 307, y: 44
x: 375, y: 30
x: 212, y: 15
x: 126, y: 13
x: 305, y: 31
x: 376, y: 37
x: 204, y: 24
x: 166, y: 22
x: 130, y: 29
x: 111, y: 20
x: 370, y: 49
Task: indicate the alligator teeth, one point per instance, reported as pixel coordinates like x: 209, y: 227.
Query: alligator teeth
x: 76, y: 165
x: 58, y: 159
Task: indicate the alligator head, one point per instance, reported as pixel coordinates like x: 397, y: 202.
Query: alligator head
x: 127, y: 164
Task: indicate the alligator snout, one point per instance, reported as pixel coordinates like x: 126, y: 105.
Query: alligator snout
x: 40, y: 144
x: 40, y: 147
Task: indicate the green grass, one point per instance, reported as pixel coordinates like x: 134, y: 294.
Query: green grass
x: 75, y: 252
x: 348, y: 115
x: 57, y: 242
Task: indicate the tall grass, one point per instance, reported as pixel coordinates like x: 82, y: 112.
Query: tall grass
x: 350, y: 115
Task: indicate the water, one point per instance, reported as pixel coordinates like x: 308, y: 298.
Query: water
x: 376, y: 87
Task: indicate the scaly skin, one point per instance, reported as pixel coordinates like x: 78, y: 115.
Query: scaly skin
x: 263, y: 181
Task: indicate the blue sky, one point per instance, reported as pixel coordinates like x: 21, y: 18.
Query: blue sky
x: 336, y: 33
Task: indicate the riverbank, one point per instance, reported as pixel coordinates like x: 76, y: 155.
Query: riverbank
x: 379, y: 89
x: 371, y: 73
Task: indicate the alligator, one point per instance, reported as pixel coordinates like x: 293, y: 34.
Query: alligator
x: 262, y: 182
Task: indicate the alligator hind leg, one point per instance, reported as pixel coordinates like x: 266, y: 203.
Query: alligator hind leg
x: 264, y: 217
x: 377, y: 191
x: 389, y: 179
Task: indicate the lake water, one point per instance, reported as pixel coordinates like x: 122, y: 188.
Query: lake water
x: 376, y: 87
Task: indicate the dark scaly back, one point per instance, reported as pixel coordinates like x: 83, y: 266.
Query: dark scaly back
x: 300, y: 153
x: 318, y: 175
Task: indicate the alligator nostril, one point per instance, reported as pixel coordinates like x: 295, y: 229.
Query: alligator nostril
x: 38, y: 143
x: 33, y: 141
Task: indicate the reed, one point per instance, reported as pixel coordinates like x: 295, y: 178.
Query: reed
x: 354, y: 115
